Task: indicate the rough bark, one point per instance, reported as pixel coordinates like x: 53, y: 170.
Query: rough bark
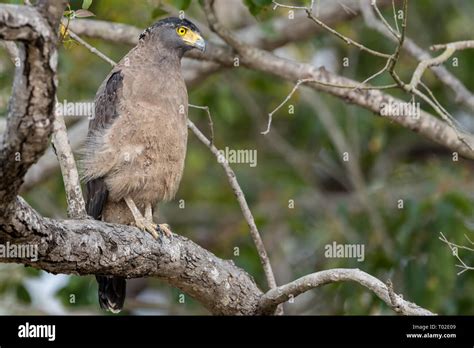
x: 30, y: 111
x: 88, y: 246
x: 311, y: 281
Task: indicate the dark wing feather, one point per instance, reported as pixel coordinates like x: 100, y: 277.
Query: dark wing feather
x: 106, y: 111
x: 97, y: 194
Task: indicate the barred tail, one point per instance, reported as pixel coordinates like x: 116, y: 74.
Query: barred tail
x: 111, y: 293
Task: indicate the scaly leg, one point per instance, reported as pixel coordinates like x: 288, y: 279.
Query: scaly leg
x: 140, y: 221
x: 164, y: 228
x: 148, y: 212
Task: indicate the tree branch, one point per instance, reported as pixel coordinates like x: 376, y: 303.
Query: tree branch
x: 462, y: 94
x: 95, y: 247
x: 30, y: 113
x: 374, y: 100
x: 243, y: 206
x: 89, y: 246
x: 284, y: 31
x: 72, y: 185
x: 426, y: 125
x: 283, y: 293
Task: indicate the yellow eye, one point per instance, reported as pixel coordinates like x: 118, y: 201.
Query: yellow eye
x: 181, y: 31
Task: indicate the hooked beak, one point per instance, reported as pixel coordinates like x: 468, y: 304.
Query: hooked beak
x: 200, y: 44
x: 195, y: 40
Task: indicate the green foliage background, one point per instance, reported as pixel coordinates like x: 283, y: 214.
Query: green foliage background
x: 396, y: 164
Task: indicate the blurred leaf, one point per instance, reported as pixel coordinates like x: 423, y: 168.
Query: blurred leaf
x: 83, y: 13
x: 86, y: 4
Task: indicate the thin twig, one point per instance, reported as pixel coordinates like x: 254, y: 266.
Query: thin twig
x: 462, y: 94
x: 243, y: 205
x: 380, y: 72
x: 302, y: 81
x: 411, y: 87
x: 446, y: 117
x: 346, y: 39
x: 288, y: 97
x: 211, y: 123
x: 395, y: 16
x: 454, y: 249
x: 91, y: 48
x: 349, y: 41
x: 384, y: 21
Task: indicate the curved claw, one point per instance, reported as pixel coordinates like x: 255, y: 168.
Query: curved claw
x: 148, y: 226
x: 165, y: 229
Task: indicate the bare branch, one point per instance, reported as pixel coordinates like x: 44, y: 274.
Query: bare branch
x: 30, y: 113
x: 462, y: 94
x: 425, y: 64
x: 322, y: 83
x: 457, y: 46
x: 395, y: 17
x: 91, y: 48
x: 455, y: 250
x: 288, y: 97
x: 72, y: 185
x: 347, y: 40
x: 283, y: 293
x: 384, y: 21
x: 22, y: 23
x: 373, y: 100
x: 410, y: 88
x: 243, y: 205
x: 209, y: 117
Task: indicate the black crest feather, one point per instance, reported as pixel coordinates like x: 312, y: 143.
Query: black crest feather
x: 172, y: 22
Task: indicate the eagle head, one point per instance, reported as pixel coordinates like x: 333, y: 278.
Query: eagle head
x: 175, y: 34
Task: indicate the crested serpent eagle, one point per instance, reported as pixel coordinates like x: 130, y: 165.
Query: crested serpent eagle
x: 136, y: 144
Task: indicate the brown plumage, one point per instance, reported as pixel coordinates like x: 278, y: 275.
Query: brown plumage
x: 136, y: 145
